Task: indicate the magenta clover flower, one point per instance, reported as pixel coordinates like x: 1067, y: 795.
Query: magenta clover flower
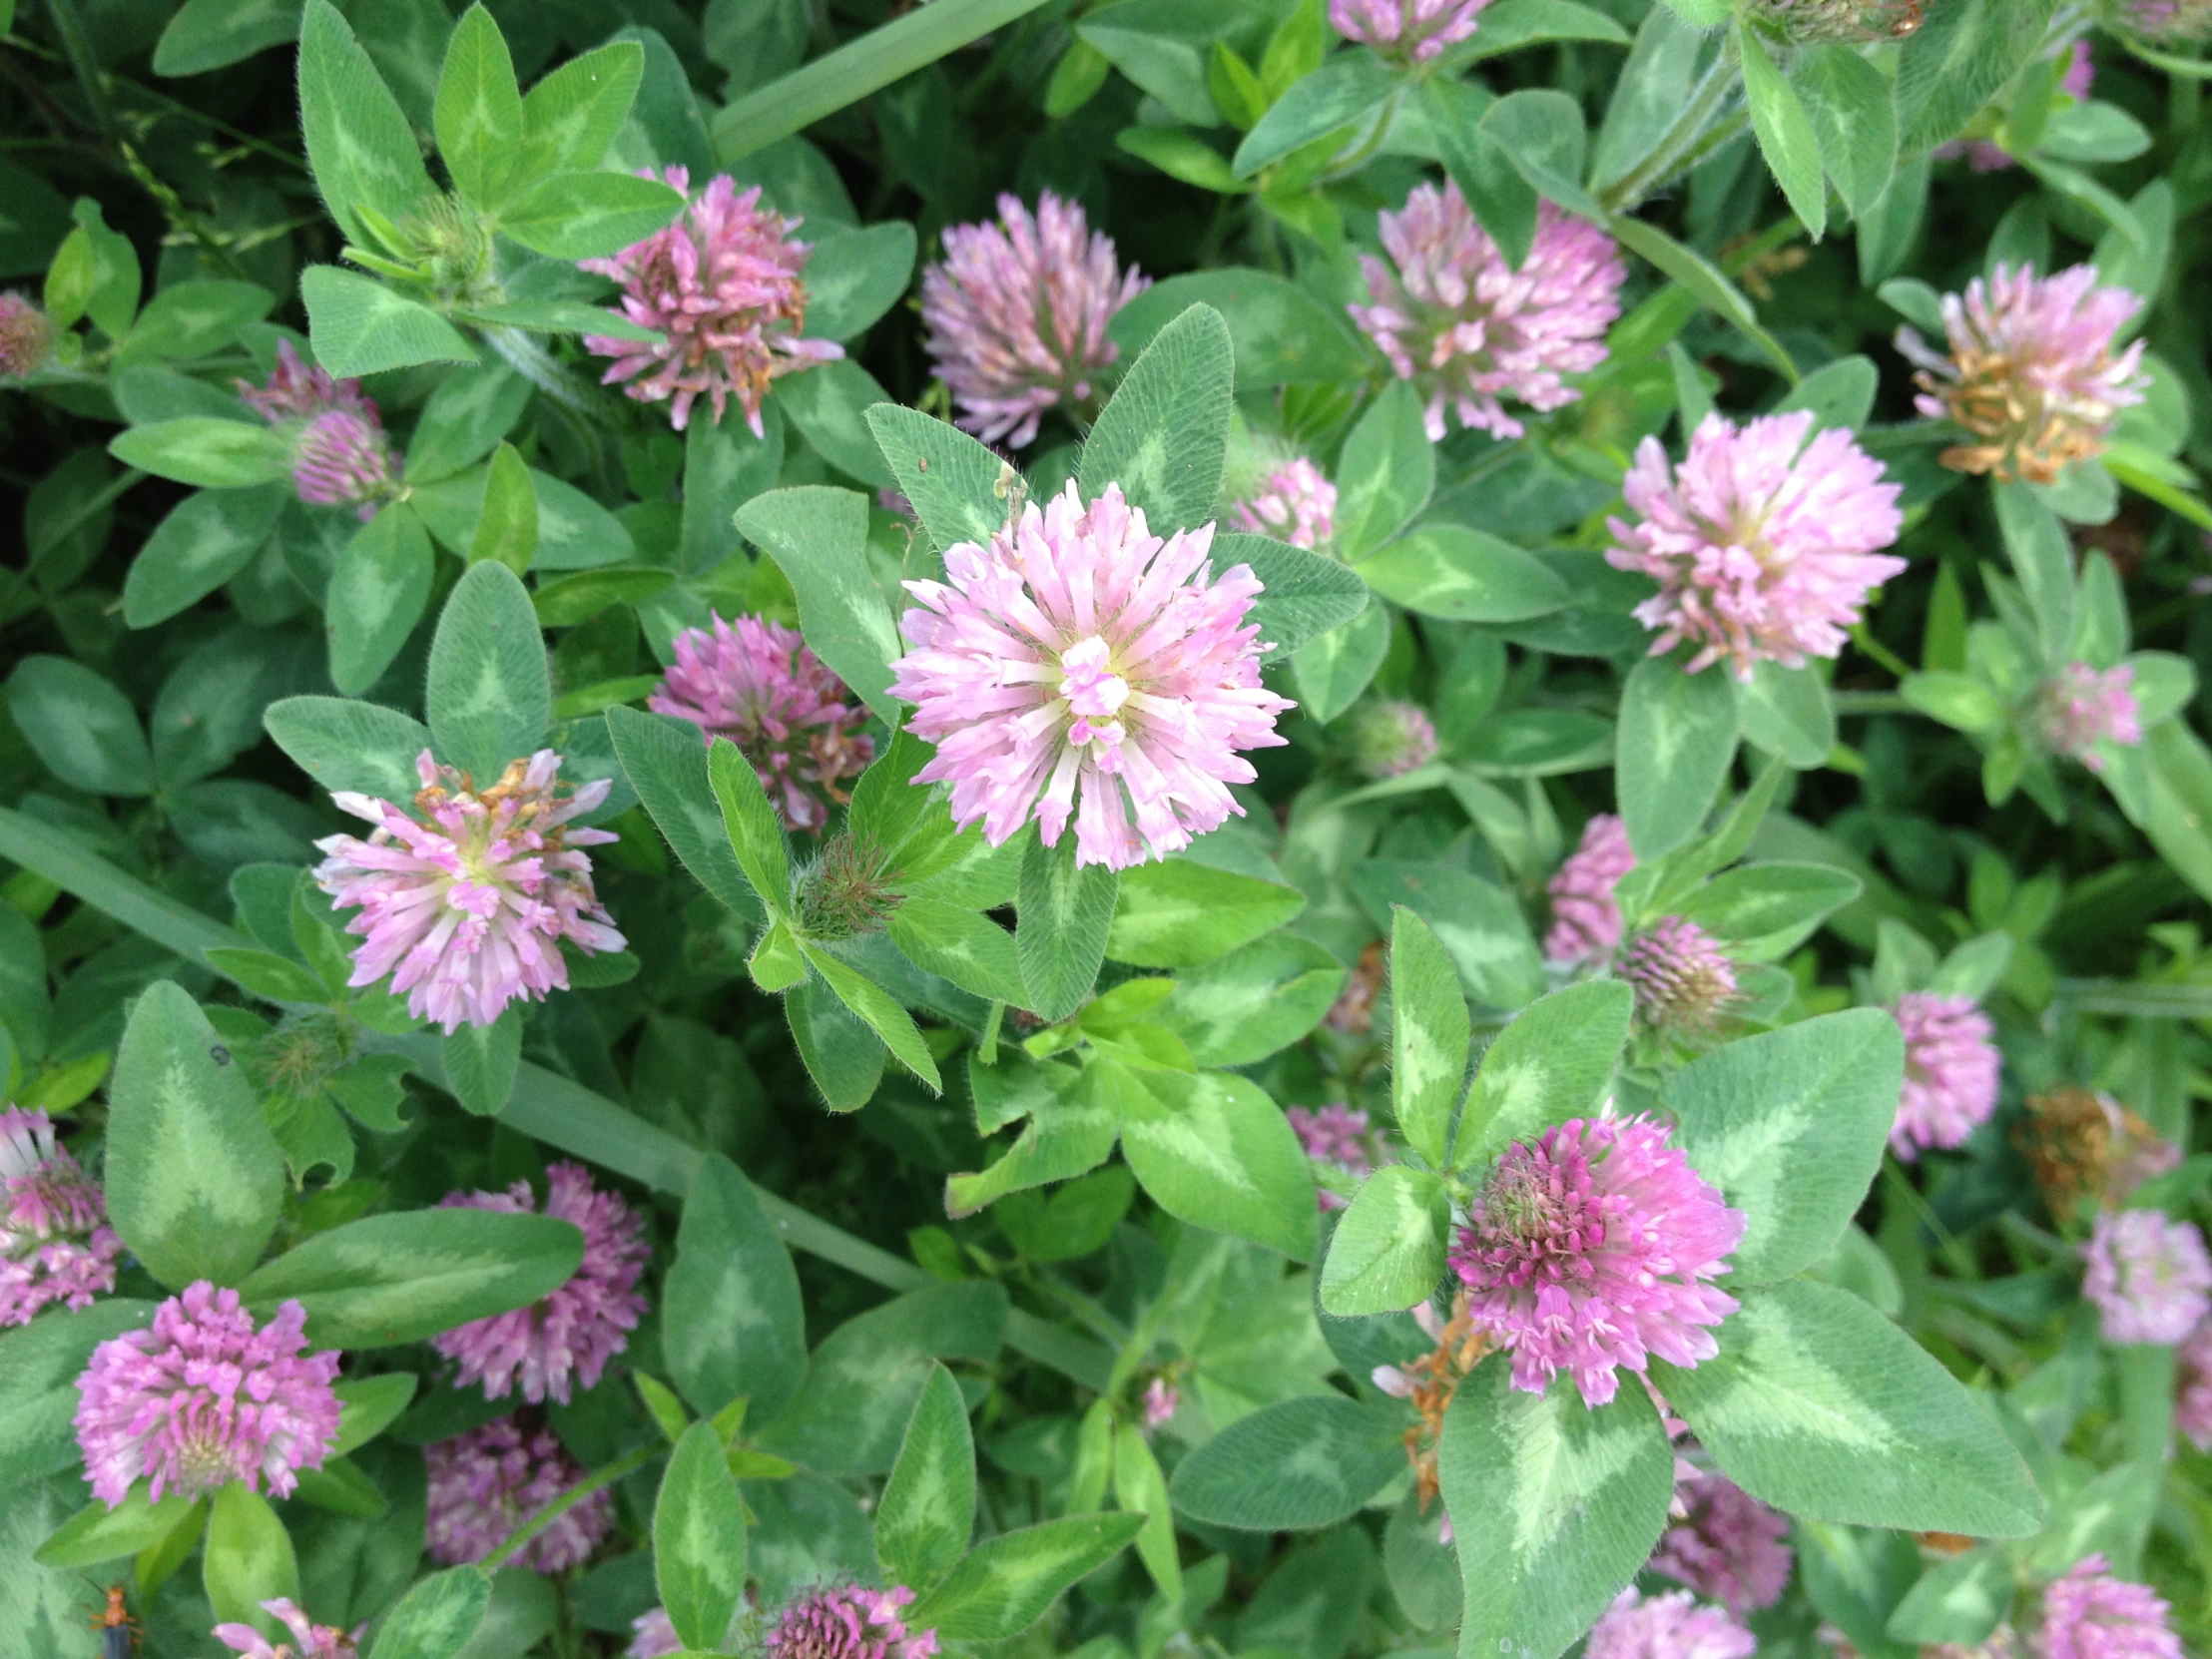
x: 1682, y: 977
x: 341, y: 456
x: 848, y: 1622
x: 486, y: 1482
x: 54, y: 1240
x: 1671, y: 1626
x: 1587, y: 1249
x: 1081, y: 667
x: 2168, y: 20
x: 575, y: 1328
x: 1338, y: 1136
x: 2149, y: 1276
x: 1294, y: 502
x: 1726, y: 1545
x: 1585, y: 917
x: 203, y: 1398
x: 1764, y: 544
x: 317, y: 1641
x: 1415, y: 31
x: 465, y: 903
x: 1467, y: 330
x: 721, y: 284
x: 1017, y: 315
x: 652, y: 1636
x: 2091, y: 1614
x: 1951, y: 1066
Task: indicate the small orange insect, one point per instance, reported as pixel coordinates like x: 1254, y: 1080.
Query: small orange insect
x: 118, y: 1630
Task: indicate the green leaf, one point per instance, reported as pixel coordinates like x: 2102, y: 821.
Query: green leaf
x: 1478, y: 923
x: 1854, y: 118
x: 491, y: 696
x: 359, y: 145
x: 929, y: 1506
x: 482, y: 1062
x: 1387, y: 1251
x: 436, y: 1618
x: 1260, y: 997
x: 1553, y: 1504
x: 668, y: 766
x: 908, y: 823
x: 1006, y: 1584
x: 1960, y: 1600
x: 570, y: 117
x: 1140, y: 1489
x: 378, y: 594
x: 1304, y: 595
x: 699, y: 1543
x: 1386, y: 474
x: 733, y: 1322
x: 1331, y: 671
x: 507, y: 529
x: 843, y: 1056
x: 249, y: 1560
x: 1428, y: 1035
x: 819, y: 538
x: 210, y: 451
x: 1786, y: 712
x: 1677, y: 737
x: 1503, y: 202
x: 588, y: 216
x: 214, y: 34
x: 193, y: 319
x: 479, y: 111
x: 1213, y: 1150
x: 1702, y: 280
x: 81, y: 727
x: 1541, y: 133
x: 969, y: 949
x: 473, y: 410
x: 1280, y: 334
x: 961, y: 491
x: 39, y: 1366
x: 1958, y: 59
x: 1791, y: 1125
x: 855, y: 276
x: 1766, y: 911
x: 1063, y: 917
x: 387, y: 1280
x: 1295, y: 1466
x: 880, y: 1010
x: 567, y: 601
x: 368, y: 1405
x: 1072, y: 1128
x: 195, y: 1180
x: 749, y: 823
x: 1337, y: 94
x: 2042, y: 558
x: 1175, y: 913
x: 278, y: 978
x: 1513, y: 24
x: 1819, y: 1405
x: 207, y: 539
x: 1462, y: 575
x: 97, y: 1533
x: 1784, y: 130
x: 1164, y: 435
x: 344, y: 744
x: 359, y: 326
x: 1554, y: 1062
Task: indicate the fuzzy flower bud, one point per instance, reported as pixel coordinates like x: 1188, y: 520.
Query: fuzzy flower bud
x: 846, y: 891
x: 1585, y: 917
x: 317, y: 1641
x: 1671, y: 1626
x: 1467, y: 330
x: 722, y: 285
x: 1294, y: 502
x: 1764, y: 541
x: 848, y: 1622
x: 1950, y: 1072
x: 54, y: 1240
x: 1587, y: 1249
x: 755, y: 682
x: 1682, y: 978
x: 1412, y: 31
x: 2081, y: 708
x: 1017, y: 315
x: 2149, y: 1276
x: 2032, y: 372
x: 26, y: 336
x: 488, y: 1482
x: 1391, y: 738
x: 2091, y: 1614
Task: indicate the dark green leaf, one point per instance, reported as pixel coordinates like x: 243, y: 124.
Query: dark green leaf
x: 490, y: 697
x: 1295, y: 1466
x: 1164, y: 435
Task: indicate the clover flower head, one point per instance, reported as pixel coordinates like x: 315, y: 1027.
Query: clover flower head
x: 575, y: 1328
x: 1391, y: 736
x: 1951, y: 1066
x: 652, y: 1636
x: 1765, y: 545
x: 341, y: 455
x: 2081, y: 708
x: 2031, y: 374
x: 1080, y: 666
x: 54, y: 1240
x: 2167, y: 20
x: 465, y: 902
x: 1726, y: 1544
x: 1587, y: 1249
x: 722, y: 285
x: 1338, y: 1136
x: 315, y: 1641
x: 203, y: 1398
x: 1017, y: 313
x: 2091, y: 1614
x: 2149, y: 1276
x: 1585, y: 917
x: 26, y: 336
x: 848, y: 1622
x: 755, y: 682
x: 1682, y: 978
x: 1670, y: 1626
x: 1294, y: 502
x: 486, y: 1482
x: 1412, y: 31
x: 1161, y: 1397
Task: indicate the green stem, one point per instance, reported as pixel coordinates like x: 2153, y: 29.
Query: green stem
x: 629, y: 1463
x: 1863, y: 637
x: 1677, y: 141
x: 545, y: 1105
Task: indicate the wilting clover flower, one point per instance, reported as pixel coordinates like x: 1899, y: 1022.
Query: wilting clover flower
x: 2091, y: 1614
x: 755, y: 682
x: 26, y: 336
x: 465, y: 902
x: 1587, y: 1249
x: 1950, y: 1072
x: 2148, y: 1276
x: 1079, y: 666
x: 1390, y: 738
x: 1467, y: 329
x: 721, y: 283
x: 1336, y: 1136
x: 1353, y: 1013
x: 1585, y: 917
x: 2079, y: 1141
x: 203, y: 1398
x: 315, y: 1641
x: 2031, y: 374
x: 54, y: 1240
x: 1294, y: 502
x: 1017, y: 316
x: 1414, y: 31
x: 1682, y: 978
x: 341, y: 456
x: 1670, y: 1626
x: 488, y: 1482
x: 575, y: 1328
x: 2080, y: 707
x: 1764, y: 545
x: 848, y: 1622
x: 2167, y: 19
x: 1726, y: 1545
x: 652, y: 1636
x: 2193, y: 1387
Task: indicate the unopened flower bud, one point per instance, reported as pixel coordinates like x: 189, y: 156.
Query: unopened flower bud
x: 1391, y: 738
